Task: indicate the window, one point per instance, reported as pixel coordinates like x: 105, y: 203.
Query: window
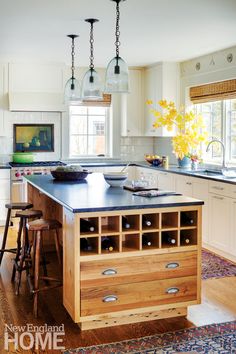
x: 220, y: 121
x: 89, y: 131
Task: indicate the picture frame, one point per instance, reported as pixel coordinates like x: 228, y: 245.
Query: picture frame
x: 33, y: 137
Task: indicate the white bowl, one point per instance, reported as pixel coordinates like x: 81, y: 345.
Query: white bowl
x: 115, y: 179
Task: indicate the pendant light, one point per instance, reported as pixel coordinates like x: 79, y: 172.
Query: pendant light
x: 91, y: 84
x: 72, y: 94
x: 117, y: 75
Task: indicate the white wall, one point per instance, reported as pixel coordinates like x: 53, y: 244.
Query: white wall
x: 213, y: 67
x: 6, y: 138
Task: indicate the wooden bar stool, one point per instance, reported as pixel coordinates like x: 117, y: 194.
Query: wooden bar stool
x: 38, y: 226
x: 10, y: 207
x: 22, y: 261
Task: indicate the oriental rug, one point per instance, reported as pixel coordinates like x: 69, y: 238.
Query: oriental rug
x: 217, y: 338
x: 214, y: 266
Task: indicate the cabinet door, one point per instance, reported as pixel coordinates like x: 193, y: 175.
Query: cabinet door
x: 166, y: 181
x: 133, y: 106
x: 160, y: 82
x: 233, y: 228
x: 152, y: 85
x: 184, y: 185
x: 200, y: 191
x: 220, y: 220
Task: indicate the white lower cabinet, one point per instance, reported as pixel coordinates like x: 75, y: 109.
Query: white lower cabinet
x: 4, y: 193
x: 220, y: 222
x: 166, y: 181
x: 233, y: 229
x: 196, y: 188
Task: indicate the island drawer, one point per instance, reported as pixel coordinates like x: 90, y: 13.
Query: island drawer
x: 138, y: 269
x: 98, y: 300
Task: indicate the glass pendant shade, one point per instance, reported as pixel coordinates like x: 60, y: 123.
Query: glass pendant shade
x: 117, y: 76
x: 72, y: 93
x: 91, y: 86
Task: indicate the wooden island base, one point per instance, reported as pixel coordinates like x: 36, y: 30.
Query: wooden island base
x: 134, y: 282
x: 116, y: 319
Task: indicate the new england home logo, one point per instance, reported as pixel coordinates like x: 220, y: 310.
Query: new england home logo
x: 33, y: 337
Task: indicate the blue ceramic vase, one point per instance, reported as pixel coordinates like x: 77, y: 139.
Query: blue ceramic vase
x: 185, y: 162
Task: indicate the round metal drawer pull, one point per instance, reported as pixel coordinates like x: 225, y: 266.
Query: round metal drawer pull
x: 109, y: 272
x: 110, y: 298
x: 172, y: 265
x: 172, y: 290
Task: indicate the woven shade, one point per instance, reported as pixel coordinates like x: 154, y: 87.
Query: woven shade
x: 105, y: 102
x: 213, y: 92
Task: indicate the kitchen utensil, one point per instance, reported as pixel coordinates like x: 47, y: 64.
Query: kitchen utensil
x: 115, y: 179
x: 70, y: 175
x: 23, y: 157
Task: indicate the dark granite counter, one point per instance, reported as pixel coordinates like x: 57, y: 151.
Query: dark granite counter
x: 94, y: 194
x: 5, y: 167
x: 172, y: 169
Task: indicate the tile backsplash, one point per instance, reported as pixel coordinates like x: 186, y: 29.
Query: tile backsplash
x: 6, y: 134
x: 134, y: 148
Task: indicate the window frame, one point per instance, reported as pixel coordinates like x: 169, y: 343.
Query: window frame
x: 226, y: 136
x: 107, y: 135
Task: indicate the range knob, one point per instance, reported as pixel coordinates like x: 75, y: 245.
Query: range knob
x: 17, y: 174
x: 29, y: 173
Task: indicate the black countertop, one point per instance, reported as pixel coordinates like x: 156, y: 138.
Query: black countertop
x: 172, y: 169
x: 94, y: 194
x: 4, y: 167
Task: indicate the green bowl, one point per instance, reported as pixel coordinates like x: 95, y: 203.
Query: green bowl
x: 23, y: 157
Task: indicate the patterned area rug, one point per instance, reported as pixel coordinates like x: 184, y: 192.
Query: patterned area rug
x: 216, y: 338
x: 214, y: 266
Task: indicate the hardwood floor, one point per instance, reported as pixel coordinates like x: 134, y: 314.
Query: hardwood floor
x: 218, y: 305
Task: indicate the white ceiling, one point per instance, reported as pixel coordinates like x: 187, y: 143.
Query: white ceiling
x: 151, y: 30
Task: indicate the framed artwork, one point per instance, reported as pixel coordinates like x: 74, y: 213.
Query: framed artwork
x: 33, y: 137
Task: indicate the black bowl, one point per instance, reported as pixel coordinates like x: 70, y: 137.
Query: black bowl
x: 70, y: 175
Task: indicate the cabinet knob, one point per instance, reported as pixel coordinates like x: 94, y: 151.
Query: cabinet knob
x: 189, y: 183
x: 109, y: 272
x: 172, y: 290
x: 172, y: 265
x: 216, y: 197
x: 110, y: 298
x: 218, y: 188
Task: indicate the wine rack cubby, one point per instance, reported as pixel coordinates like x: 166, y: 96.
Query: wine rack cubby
x: 130, y: 242
x: 188, y: 237
x: 147, y: 230
x: 110, y: 224
x: 169, y: 220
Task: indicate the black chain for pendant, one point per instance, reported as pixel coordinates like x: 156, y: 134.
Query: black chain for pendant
x: 73, y: 58
x: 91, y: 47
x: 117, y: 42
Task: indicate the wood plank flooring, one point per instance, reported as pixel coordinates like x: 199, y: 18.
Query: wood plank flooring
x: 218, y: 305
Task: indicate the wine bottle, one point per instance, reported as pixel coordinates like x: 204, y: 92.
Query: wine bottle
x: 186, y: 219
x: 125, y: 223
x: 85, y: 245
x: 146, y: 240
x: 107, y: 244
x: 168, y: 239
x: 146, y: 221
x: 186, y: 240
x: 86, y: 226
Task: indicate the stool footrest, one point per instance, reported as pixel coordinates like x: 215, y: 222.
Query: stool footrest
x: 47, y: 287
x: 10, y: 250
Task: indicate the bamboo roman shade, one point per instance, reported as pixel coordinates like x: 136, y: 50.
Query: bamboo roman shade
x: 213, y: 92
x: 105, y: 102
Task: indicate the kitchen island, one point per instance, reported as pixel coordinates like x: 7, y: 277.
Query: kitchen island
x: 136, y: 281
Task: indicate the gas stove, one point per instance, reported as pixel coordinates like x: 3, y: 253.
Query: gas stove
x: 34, y: 168
x: 37, y: 164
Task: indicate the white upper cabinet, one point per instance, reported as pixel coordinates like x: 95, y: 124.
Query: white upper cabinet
x: 3, y: 96
x: 133, y: 105
x: 36, y: 87
x: 160, y: 82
